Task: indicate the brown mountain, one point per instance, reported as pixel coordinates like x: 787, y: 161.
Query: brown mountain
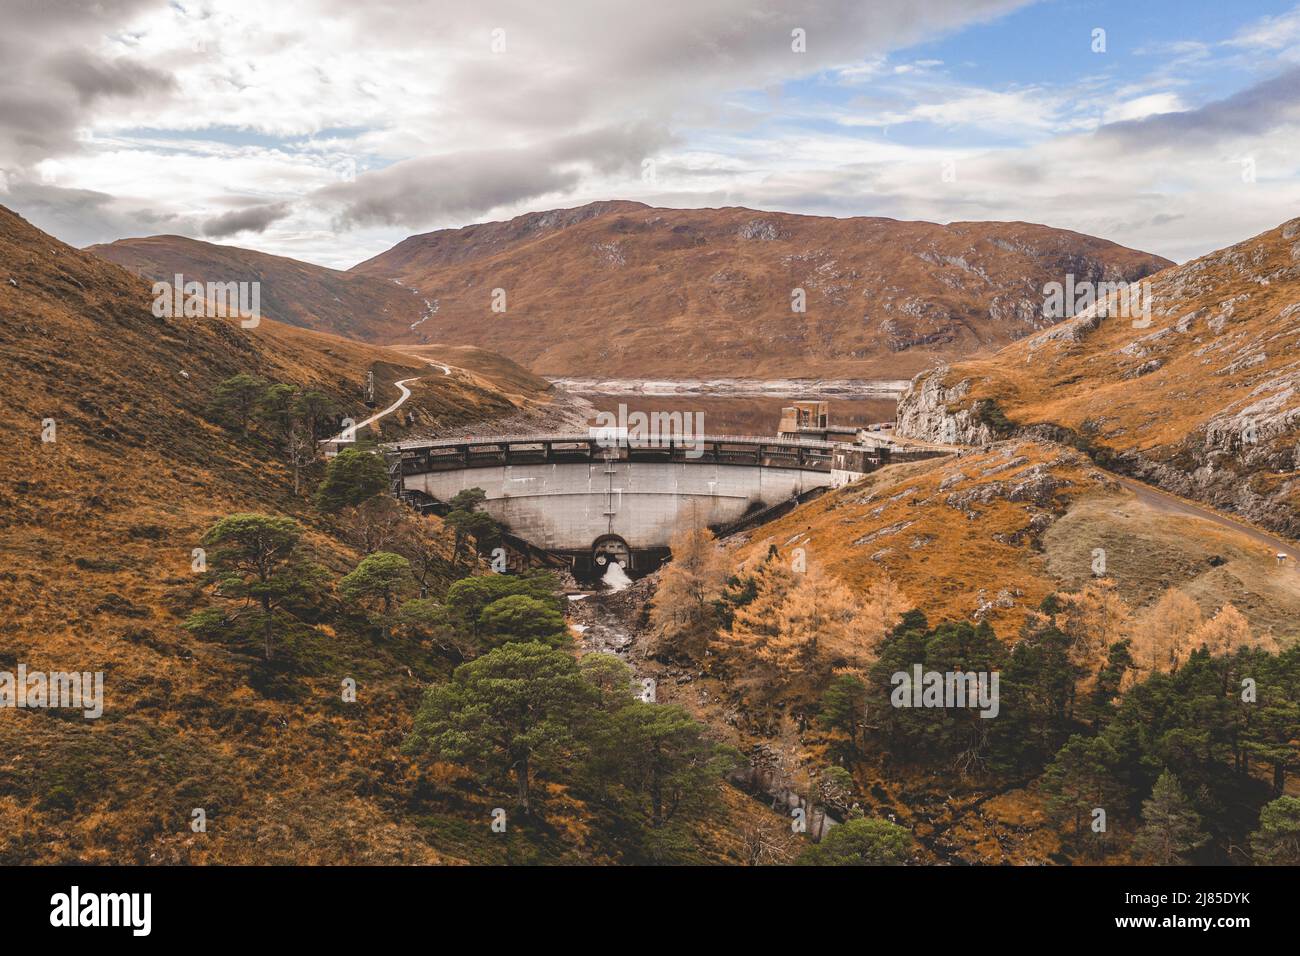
x: 623, y: 289
x: 1203, y: 400
x: 293, y: 292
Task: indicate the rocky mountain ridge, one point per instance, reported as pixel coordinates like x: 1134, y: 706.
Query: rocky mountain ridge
x: 1201, y: 398
x: 622, y: 289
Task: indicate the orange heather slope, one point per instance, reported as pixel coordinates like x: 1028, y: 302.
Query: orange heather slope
x: 96, y: 536
x: 622, y: 289
x: 1204, y: 401
x: 989, y: 534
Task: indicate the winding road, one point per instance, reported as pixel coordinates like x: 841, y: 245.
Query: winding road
x: 1163, y: 501
x: 406, y: 393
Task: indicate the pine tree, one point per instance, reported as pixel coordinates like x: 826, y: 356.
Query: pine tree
x: 1273, y: 737
x: 612, y: 679
x: 380, y: 577
x: 1277, y: 841
x: 468, y: 597
x: 844, y: 706
x: 511, y: 713
x: 427, y: 543
x: 235, y: 399
x: 1081, y: 779
x: 257, y: 560
x: 663, y: 758
x: 861, y: 842
x: 1039, y: 684
x: 351, y: 477
x: 424, y: 619
x: 1171, y: 828
x: 467, y: 521
x: 519, y: 617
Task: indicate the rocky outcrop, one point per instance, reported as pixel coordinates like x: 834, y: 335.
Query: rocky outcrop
x: 932, y: 411
x: 1036, y: 485
x: 761, y: 229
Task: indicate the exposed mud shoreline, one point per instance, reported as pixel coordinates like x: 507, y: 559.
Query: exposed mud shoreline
x: 808, y: 388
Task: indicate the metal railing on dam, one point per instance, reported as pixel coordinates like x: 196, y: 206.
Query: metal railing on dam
x: 423, y: 457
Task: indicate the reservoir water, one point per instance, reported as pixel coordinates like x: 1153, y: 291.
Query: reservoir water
x: 742, y: 406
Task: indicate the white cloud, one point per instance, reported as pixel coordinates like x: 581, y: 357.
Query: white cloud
x: 337, y: 128
x: 1269, y: 33
x: 1144, y: 106
x: 441, y: 128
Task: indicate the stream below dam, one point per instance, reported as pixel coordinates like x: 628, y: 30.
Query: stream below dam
x: 611, y: 619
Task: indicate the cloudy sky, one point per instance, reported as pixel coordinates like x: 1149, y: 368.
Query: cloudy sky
x: 328, y: 130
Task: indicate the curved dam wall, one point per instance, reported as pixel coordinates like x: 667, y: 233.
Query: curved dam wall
x: 568, y: 506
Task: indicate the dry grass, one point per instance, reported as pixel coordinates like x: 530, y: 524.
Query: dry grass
x: 1149, y: 551
x: 293, y: 292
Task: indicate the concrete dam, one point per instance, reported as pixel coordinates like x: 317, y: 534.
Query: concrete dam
x: 592, y: 501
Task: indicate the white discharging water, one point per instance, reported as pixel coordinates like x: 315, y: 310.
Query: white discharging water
x: 615, y: 579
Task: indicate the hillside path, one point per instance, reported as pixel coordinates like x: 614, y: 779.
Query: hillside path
x: 406, y: 393
x: 1172, y: 504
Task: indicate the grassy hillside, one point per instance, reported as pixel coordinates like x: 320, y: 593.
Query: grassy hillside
x: 989, y: 534
x: 97, y: 533
x: 621, y: 289
x: 95, y: 547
